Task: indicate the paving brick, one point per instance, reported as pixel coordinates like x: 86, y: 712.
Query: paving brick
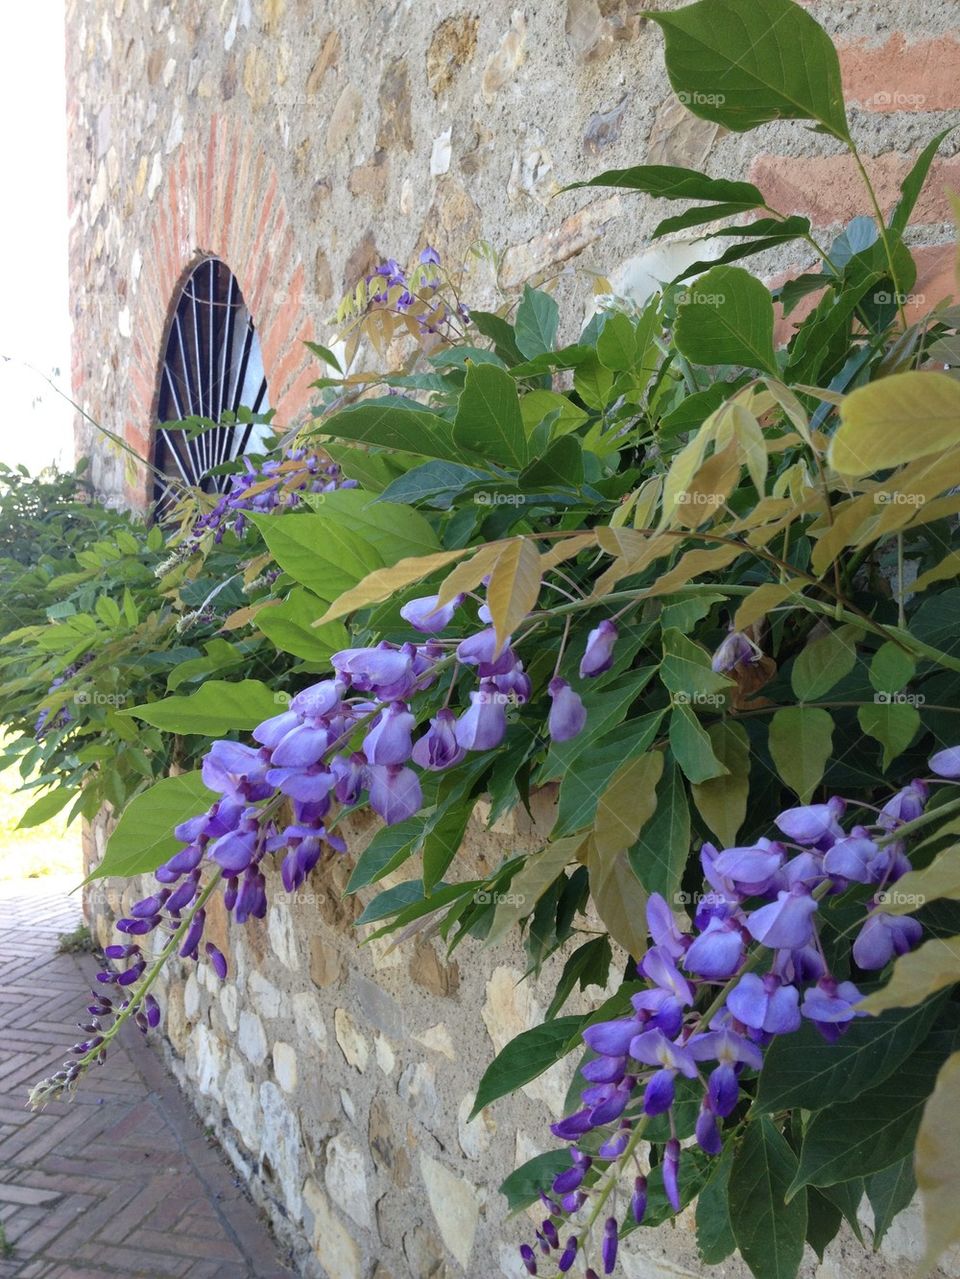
x: 121, y: 1181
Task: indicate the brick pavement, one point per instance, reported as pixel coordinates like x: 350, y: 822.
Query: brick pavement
x: 122, y: 1180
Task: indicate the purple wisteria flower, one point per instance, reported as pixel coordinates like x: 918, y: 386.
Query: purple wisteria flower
x: 568, y: 715
x: 598, y: 654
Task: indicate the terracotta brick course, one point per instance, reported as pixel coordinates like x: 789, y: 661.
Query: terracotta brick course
x: 902, y: 75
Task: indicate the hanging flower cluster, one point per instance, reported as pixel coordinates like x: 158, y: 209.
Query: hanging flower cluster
x: 408, y: 293
x: 302, y: 765
x: 768, y: 893
x: 275, y: 483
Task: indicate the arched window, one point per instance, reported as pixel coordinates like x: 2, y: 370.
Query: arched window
x: 212, y: 366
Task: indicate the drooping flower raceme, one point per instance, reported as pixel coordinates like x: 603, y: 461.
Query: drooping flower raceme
x: 755, y: 936
x: 277, y: 796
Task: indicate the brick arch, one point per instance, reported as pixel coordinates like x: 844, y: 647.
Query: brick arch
x: 221, y: 197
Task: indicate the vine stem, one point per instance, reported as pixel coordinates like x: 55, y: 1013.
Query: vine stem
x: 882, y: 228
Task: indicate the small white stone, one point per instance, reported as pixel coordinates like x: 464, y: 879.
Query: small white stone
x: 352, y: 1042
x: 191, y: 997
x: 156, y: 173
x: 243, y: 1108
x: 285, y: 1066
x: 335, y: 1249
x: 281, y: 1144
x: 346, y: 1180
x: 474, y: 1135
x: 251, y: 1038
x: 267, y: 1000
x: 228, y: 1003
x: 386, y: 1057
x: 308, y: 1015
x: 440, y: 155
x: 283, y: 938
x: 209, y: 1053
x: 349, y: 1109
x: 168, y: 71
x: 455, y: 1206
x: 437, y: 1039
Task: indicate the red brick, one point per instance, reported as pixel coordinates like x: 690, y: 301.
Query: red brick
x: 901, y: 76
x: 828, y: 189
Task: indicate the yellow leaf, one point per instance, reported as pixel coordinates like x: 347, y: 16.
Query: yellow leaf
x: 913, y: 890
x: 683, y: 468
x: 648, y: 499
x: 751, y: 440
x: 628, y: 803
x: 918, y: 974
x: 722, y: 801
x: 384, y: 582
x: 691, y: 565
x: 618, y: 897
x: 709, y: 488
x: 242, y: 616
x: 792, y: 407
x: 764, y: 599
x: 949, y: 566
x: 530, y: 883
x: 894, y: 420
x: 936, y: 1163
x: 649, y: 549
x: 566, y: 550
x: 514, y: 587
x: 466, y: 576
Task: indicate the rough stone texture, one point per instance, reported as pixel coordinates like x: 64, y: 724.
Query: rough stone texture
x: 301, y: 143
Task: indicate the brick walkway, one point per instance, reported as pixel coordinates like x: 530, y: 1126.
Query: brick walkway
x: 122, y: 1180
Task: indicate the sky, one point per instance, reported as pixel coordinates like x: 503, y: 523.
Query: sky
x: 36, y: 427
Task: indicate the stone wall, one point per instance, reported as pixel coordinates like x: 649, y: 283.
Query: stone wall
x: 301, y: 140
x: 339, y: 1078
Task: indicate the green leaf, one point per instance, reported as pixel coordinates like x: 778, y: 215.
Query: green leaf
x: 617, y: 343
x: 685, y: 668
x: 143, y: 838
x: 742, y: 63
x: 823, y: 663
x: 488, y: 421
x: 524, y: 1058
x: 802, y: 1071
x: 433, y: 480
x: 670, y: 182
x: 389, y: 848
x: 660, y: 854
x: 866, y: 1135
x: 893, y: 724
x: 47, y: 806
x: 561, y: 465
x: 589, y: 965
x: 699, y: 215
x: 218, y: 706
x: 535, y: 328
x: 289, y: 626
x: 890, y: 1191
x: 912, y: 184
x: 769, y: 1232
x: 715, y: 1241
x: 396, y: 424
x: 325, y: 354
x: 581, y: 787
x: 800, y: 741
x: 722, y: 801
x: 524, y: 1184
x: 442, y: 842
x: 691, y: 745
x: 108, y: 611
x: 823, y: 1221
x: 891, y: 668
x: 727, y: 318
